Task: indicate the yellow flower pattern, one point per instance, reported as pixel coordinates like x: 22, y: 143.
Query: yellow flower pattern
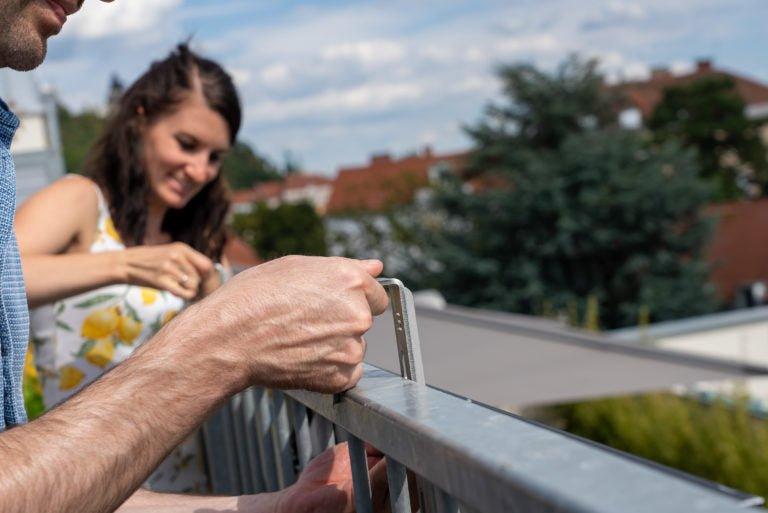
x: 69, y: 377
x: 110, y: 230
x: 148, y: 296
x: 100, y: 323
x: 84, y: 336
x: 101, y: 352
x: 128, y: 329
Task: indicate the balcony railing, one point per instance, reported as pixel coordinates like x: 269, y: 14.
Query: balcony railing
x: 468, y: 457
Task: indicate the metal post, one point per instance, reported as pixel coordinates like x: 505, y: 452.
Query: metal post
x: 301, y: 430
x: 321, y: 431
x: 397, y: 479
x: 241, y: 452
x: 251, y: 441
x: 264, y: 420
x: 220, y: 453
x: 444, y: 503
x: 281, y: 437
x: 361, y: 483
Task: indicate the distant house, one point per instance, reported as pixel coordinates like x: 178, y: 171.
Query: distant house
x: 643, y: 96
x: 295, y: 188
x: 738, y: 252
x: 239, y: 254
x: 386, y: 182
x: 36, y: 148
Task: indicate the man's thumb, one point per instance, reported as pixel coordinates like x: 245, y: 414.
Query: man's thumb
x: 372, y: 267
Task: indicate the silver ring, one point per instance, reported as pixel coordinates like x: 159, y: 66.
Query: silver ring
x: 184, y: 279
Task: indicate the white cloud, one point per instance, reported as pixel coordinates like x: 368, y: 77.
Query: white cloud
x: 368, y: 53
x: 345, y: 78
x: 275, y: 74
x: 98, y: 20
x: 365, y: 98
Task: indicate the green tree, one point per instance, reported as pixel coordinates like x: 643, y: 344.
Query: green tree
x: 289, y: 229
x: 540, y: 110
x: 604, y: 218
x: 569, y: 213
x: 244, y: 168
x: 708, y: 115
x: 78, y: 133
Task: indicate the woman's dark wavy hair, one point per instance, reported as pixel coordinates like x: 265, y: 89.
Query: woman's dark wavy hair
x: 116, y: 161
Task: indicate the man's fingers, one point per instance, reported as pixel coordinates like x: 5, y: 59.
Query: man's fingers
x: 372, y: 267
x: 377, y: 297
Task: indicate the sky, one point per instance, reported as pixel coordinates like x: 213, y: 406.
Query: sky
x: 331, y: 82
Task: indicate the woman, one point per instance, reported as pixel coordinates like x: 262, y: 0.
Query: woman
x: 117, y: 254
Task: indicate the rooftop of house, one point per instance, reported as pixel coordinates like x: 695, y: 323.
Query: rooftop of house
x: 276, y: 188
x: 646, y: 94
x: 239, y: 254
x: 386, y: 181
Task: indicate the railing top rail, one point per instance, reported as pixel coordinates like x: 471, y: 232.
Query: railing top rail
x: 491, y: 461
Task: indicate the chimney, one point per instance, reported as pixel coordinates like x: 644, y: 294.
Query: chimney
x: 704, y: 66
x: 380, y: 159
x: 427, y: 151
x: 660, y: 73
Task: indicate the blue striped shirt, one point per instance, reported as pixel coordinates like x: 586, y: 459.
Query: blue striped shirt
x: 14, y: 316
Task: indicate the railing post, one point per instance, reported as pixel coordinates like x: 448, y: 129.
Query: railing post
x: 251, y: 433
x: 264, y: 421
x: 361, y: 482
x: 399, y: 494
x: 282, y: 440
x: 321, y: 431
x: 301, y: 431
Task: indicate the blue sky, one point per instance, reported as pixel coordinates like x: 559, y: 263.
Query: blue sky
x: 334, y: 81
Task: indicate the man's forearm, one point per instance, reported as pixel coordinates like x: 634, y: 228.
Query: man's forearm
x: 92, y: 452
x: 149, y: 502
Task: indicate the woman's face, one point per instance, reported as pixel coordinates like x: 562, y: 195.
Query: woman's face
x: 183, y: 151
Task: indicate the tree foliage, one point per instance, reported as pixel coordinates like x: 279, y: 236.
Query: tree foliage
x: 289, y: 229
x: 245, y: 168
x: 540, y: 110
x: 709, y: 115
x: 78, y: 133
x: 604, y: 218
x: 720, y: 441
x: 569, y: 215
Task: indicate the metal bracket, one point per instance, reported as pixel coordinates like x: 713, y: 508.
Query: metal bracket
x: 406, y: 332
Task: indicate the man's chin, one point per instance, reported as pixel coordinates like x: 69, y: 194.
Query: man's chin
x: 26, y: 60
x: 23, y: 49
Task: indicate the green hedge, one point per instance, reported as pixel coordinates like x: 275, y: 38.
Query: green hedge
x: 720, y: 441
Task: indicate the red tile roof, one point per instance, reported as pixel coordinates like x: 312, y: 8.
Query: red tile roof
x: 386, y: 182
x: 275, y: 188
x: 261, y: 192
x: 646, y: 94
x: 738, y: 251
x: 239, y: 254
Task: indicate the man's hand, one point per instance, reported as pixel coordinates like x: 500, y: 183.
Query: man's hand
x: 326, y: 484
x: 296, y: 322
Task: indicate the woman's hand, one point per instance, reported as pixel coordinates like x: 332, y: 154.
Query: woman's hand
x: 326, y: 484
x: 175, y: 267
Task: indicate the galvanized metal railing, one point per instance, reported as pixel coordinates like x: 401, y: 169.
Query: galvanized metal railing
x: 465, y: 456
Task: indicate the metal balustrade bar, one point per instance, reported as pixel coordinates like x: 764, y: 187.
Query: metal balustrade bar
x: 465, y: 457
x: 492, y: 462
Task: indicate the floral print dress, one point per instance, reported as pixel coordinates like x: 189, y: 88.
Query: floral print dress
x: 79, y: 338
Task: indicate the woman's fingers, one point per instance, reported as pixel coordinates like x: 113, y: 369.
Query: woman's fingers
x: 172, y: 285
